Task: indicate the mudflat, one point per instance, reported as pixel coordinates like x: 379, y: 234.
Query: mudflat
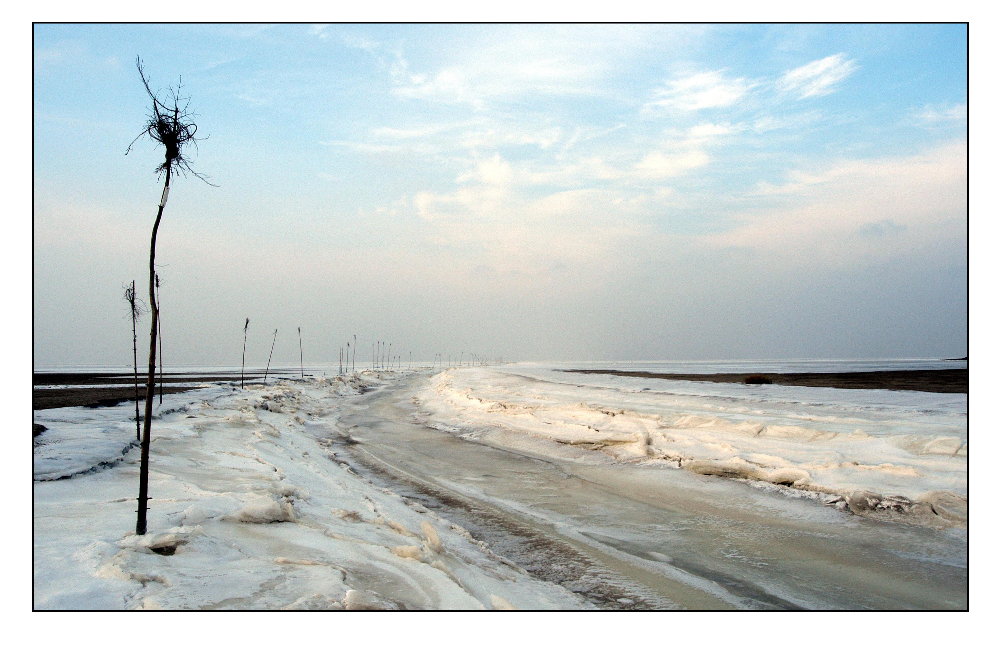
x: 84, y: 389
x: 948, y: 381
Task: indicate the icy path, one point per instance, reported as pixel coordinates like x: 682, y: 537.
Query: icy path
x: 340, y: 495
x: 630, y: 535
x: 251, y: 509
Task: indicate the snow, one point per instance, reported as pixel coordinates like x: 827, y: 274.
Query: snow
x: 255, y: 503
x: 907, y: 451
x: 250, y: 509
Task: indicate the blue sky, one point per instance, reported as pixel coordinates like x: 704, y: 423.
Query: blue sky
x: 531, y: 191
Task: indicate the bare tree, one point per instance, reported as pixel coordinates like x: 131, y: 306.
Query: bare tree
x: 246, y: 325
x: 170, y: 126
x: 159, y: 334
x: 136, y: 309
x: 269, y: 355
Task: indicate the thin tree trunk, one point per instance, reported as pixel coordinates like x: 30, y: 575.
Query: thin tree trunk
x: 269, y: 355
x: 244, y: 365
x: 159, y: 334
x: 135, y: 366
x: 140, y: 523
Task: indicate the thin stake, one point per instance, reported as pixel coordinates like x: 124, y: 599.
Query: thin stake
x: 243, y: 367
x: 269, y: 356
x: 301, y: 372
x: 159, y: 334
x: 135, y: 310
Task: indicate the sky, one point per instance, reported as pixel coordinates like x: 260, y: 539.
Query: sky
x: 524, y: 191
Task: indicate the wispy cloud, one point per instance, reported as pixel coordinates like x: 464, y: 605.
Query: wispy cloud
x: 830, y: 216
x: 75, y: 53
x: 659, y: 165
x: 531, y: 62
x: 479, y: 83
x: 880, y: 229
x: 704, y: 90
x: 939, y: 114
x: 320, y: 30
x: 820, y: 77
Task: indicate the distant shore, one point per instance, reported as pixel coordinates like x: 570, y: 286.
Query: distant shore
x: 70, y: 393
x: 948, y: 381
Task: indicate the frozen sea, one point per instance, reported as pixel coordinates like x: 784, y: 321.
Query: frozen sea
x: 515, y: 486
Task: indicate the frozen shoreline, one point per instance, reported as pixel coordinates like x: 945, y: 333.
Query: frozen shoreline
x: 897, y: 455
x: 258, y: 504
x: 933, y: 380
x: 250, y: 509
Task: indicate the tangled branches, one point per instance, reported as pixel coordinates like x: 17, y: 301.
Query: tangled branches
x: 170, y: 125
x: 135, y: 304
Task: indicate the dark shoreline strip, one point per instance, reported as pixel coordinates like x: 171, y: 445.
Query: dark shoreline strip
x: 43, y: 398
x: 91, y: 397
x: 948, y: 381
x: 71, y: 394
x: 43, y: 378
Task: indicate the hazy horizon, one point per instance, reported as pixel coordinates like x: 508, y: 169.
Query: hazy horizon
x: 531, y: 192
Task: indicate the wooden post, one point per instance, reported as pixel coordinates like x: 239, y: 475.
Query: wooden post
x: 269, y: 355
x: 244, y: 365
x: 159, y: 334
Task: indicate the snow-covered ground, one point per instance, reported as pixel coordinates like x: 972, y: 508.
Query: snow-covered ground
x: 288, y: 496
x: 251, y: 509
x: 866, y: 450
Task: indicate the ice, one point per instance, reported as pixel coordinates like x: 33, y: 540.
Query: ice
x: 905, y: 445
x: 258, y: 500
x: 250, y: 508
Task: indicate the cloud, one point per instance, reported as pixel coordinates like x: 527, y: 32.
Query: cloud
x: 505, y: 69
x: 942, y: 114
x: 479, y: 84
x: 76, y: 54
x: 820, y: 77
x: 320, y: 30
x: 658, y: 165
x: 831, y: 216
x: 505, y: 63
x: 705, y: 90
x: 880, y: 229
x: 493, y: 222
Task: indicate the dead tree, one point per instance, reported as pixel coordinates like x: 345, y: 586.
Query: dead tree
x: 135, y: 309
x: 269, y: 355
x: 246, y: 325
x: 170, y: 126
x: 159, y: 334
